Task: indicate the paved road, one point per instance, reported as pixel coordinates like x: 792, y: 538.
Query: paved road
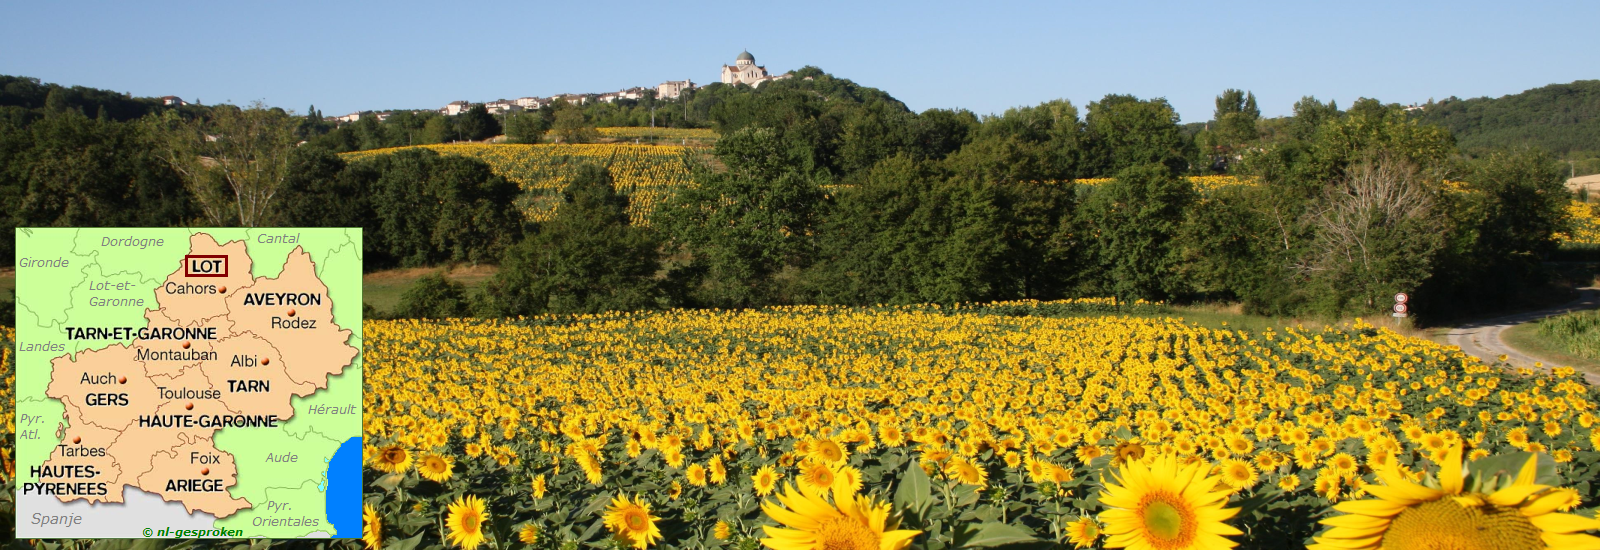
x: 1482, y: 338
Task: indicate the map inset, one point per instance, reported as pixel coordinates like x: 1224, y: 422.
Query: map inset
x: 188, y: 380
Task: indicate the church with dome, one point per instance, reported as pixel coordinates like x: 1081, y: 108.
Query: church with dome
x: 745, y: 71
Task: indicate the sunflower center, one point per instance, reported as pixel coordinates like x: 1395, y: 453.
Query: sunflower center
x: 1445, y: 525
x: 394, y: 456
x: 1169, y: 522
x: 469, y: 522
x: 637, y: 522
x: 844, y: 533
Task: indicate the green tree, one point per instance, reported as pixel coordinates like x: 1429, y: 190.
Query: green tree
x: 66, y: 169
x: 437, y: 130
x: 233, y: 162
x: 1376, y: 233
x: 526, y: 127
x: 319, y: 192
x: 1503, y: 228
x: 910, y: 233
x: 477, y: 124
x: 1126, y: 132
x: 1134, y: 220
x: 428, y: 209
x: 587, y: 259
x: 740, y: 227
x: 433, y: 297
x: 1232, y: 127
x: 570, y: 127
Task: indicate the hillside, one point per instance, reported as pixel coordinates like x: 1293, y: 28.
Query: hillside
x: 1562, y: 118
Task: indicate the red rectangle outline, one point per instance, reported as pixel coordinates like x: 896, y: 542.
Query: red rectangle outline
x: 186, y: 264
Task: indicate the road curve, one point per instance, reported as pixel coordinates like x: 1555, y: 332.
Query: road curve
x: 1482, y: 338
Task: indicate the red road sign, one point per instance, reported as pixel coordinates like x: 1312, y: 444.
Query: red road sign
x: 1401, y: 298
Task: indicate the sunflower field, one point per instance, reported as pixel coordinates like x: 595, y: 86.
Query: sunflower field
x: 8, y: 417
x: 1081, y: 424
x: 1585, y: 224
x: 648, y: 174
x: 685, y: 136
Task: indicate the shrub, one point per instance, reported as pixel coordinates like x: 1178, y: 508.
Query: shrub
x: 433, y: 297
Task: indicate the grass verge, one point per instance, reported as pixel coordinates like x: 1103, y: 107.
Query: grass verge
x: 382, y: 289
x: 1526, y: 338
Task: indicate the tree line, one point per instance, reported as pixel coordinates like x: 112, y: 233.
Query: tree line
x: 824, y: 191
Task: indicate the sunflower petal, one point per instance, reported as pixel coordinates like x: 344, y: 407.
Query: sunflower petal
x: 1404, y: 494
x: 1571, y: 542
x: 1529, y: 472
x: 1514, y: 495
x: 1348, y: 544
x: 895, y: 540
x: 1371, y: 507
x: 1564, y: 523
x: 1550, y: 502
x: 1450, y: 478
x: 1358, y: 522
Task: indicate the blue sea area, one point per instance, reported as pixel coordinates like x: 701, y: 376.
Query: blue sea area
x: 344, y: 490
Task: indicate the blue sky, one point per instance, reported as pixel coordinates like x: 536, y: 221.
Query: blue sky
x: 983, y: 56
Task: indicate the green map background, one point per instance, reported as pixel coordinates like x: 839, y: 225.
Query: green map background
x: 51, y: 298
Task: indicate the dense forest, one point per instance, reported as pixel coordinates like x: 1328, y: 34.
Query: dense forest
x: 824, y: 191
x: 1561, y: 118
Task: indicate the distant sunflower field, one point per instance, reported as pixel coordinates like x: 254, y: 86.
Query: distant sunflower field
x: 1585, y: 224
x: 1078, y: 424
x: 8, y: 416
x: 648, y: 174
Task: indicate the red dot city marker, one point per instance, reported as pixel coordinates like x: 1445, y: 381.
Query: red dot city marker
x: 205, y: 471
x: 222, y: 289
x: 122, y: 380
x: 76, y: 439
x: 185, y: 345
x: 291, y: 313
x: 189, y: 407
x: 266, y: 361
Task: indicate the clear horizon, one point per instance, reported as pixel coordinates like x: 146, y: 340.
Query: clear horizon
x: 413, y: 55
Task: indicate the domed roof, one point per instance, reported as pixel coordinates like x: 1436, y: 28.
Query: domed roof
x: 746, y: 57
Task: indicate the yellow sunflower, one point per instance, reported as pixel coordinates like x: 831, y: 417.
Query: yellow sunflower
x: 765, y: 480
x: 465, y: 522
x: 816, y: 476
x: 851, y: 522
x: 435, y: 467
x: 722, y: 531
x: 1158, y: 503
x: 1083, y: 532
x: 847, y: 479
x: 538, y: 486
x: 891, y: 435
x: 967, y: 472
x: 696, y: 474
x: 631, y: 521
x: 529, y: 534
x: 371, y: 527
x: 393, y: 458
x: 1238, y: 474
x: 1127, y: 451
x: 1519, y: 514
x: 719, y: 472
x: 828, y: 451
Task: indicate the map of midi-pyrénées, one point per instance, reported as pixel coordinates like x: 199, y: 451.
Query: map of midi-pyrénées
x: 188, y: 379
